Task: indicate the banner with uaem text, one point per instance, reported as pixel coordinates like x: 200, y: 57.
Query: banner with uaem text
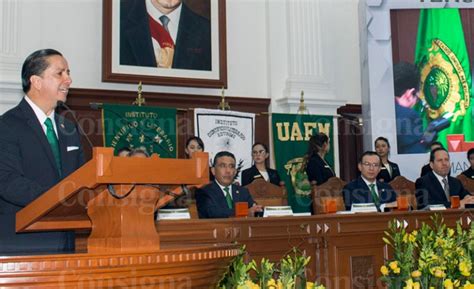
x: 291, y: 133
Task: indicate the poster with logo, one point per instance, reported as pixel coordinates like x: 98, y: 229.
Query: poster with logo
x: 224, y: 130
x: 152, y: 129
x: 291, y: 133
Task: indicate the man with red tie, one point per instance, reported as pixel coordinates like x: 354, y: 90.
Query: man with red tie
x: 165, y: 34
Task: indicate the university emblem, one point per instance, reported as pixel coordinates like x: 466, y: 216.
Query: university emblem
x: 443, y: 87
x: 299, y: 179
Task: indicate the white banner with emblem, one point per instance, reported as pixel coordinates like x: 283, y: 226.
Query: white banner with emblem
x: 224, y: 130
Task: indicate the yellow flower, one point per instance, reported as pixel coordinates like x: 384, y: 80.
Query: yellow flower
x: 271, y: 284
x: 309, y: 285
x: 384, y: 270
x: 409, y: 283
x: 416, y: 285
x: 416, y: 274
x: 396, y: 270
x: 468, y: 285
x: 414, y: 233
x: 412, y: 238
x: 448, y: 284
x: 465, y: 268
x: 393, y: 265
x: 450, y: 232
x: 439, y: 273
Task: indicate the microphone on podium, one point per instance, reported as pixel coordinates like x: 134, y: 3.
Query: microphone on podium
x: 79, y: 127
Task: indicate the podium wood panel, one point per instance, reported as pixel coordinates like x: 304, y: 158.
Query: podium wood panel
x: 183, y: 267
x: 346, y: 250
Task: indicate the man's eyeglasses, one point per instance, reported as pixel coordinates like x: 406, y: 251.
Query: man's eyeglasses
x: 369, y: 165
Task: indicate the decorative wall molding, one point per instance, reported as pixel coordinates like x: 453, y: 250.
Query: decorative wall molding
x: 315, y: 106
x: 9, y: 27
x: 306, y: 70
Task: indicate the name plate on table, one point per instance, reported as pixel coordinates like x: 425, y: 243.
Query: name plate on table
x: 364, y: 208
x: 277, y: 211
x: 173, y: 214
x: 438, y: 207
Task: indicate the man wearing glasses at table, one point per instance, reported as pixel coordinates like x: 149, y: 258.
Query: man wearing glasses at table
x: 366, y: 188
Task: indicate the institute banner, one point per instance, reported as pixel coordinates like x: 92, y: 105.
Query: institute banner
x: 150, y: 128
x: 446, y: 84
x: 224, y: 130
x: 291, y: 133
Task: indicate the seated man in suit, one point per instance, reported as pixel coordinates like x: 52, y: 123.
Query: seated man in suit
x: 437, y: 187
x: 366, y: 188
x: 216, y: 200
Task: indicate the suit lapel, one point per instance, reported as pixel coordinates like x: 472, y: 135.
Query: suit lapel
x: 62, y: 136
x: 437, y: 185
x: 37, y: 129
x: 235, y: 194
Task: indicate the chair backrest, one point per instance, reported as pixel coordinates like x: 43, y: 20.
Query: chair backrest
x: 405, y: 187
x: 467, y: 183
x: 330, y: 190
x: 267, y: 194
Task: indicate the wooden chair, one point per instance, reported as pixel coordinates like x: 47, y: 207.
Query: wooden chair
x: 467, y: 183
x: 267, y: 194
x: 405, y: 187
x: 330, y: 190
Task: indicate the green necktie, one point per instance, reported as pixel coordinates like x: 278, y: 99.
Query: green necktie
x: 375, y: 196
x: 53, y: 142
x: 228, y: 197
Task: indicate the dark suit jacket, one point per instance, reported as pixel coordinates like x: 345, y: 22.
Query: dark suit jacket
x: 384, y: 175
x: 469, y: 173
x: 193, y: 41
x: 252, y: 173
x: 409, y: 131
x: 357, y: 192
x: 211, y: 202
x: 430, y: 192
x: 317, y: 170
x: 27, y: 170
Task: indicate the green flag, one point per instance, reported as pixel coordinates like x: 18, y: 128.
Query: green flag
x: 150, y: 128
x: 291, y: 133
x: 442, y: 57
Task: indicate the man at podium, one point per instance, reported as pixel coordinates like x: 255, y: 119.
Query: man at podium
x: 38, y: 148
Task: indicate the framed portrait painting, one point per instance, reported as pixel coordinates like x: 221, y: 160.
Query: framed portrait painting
x: 165, y: 42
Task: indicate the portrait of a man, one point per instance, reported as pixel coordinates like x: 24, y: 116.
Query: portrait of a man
x: 165, y: 34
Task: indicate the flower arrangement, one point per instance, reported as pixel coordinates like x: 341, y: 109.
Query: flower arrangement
x: 290, y: 272
x: 435, y: 257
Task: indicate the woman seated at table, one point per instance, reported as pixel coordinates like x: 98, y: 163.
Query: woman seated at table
x: 317, y: 168
x: 260, y: 168
x: 388, y: 170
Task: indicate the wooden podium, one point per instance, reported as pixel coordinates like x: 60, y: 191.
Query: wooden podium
x: 116, y: 197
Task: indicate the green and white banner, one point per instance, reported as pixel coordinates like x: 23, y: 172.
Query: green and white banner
x: 150, y: 128
x: 442, y: 56
x: 225, y: 130
x: 291, y: 133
